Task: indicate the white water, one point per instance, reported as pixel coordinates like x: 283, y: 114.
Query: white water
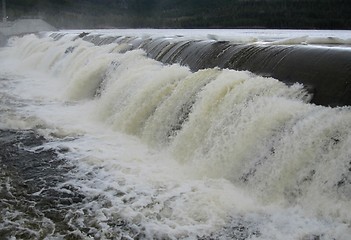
x: 261, y: 36
x: 179, y: 154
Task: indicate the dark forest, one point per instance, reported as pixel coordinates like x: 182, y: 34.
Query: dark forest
x: 300, y: 14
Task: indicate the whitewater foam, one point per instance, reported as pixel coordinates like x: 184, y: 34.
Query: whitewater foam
x: 162, y: 152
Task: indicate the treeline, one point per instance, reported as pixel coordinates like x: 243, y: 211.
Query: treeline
x: 312, y: 14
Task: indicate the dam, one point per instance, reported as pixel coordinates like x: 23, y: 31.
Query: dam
x: 137, y: 134
x: 325, y: 69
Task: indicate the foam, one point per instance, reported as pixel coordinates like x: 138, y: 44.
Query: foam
x: 161, y: 152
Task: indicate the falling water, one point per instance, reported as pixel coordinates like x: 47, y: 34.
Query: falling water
x: 147, y: 150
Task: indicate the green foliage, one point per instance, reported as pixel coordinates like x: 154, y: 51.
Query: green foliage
x: 332, y: 14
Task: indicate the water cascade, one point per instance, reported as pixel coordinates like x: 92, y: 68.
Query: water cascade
x: 325, y: 70
x: 219, y: 111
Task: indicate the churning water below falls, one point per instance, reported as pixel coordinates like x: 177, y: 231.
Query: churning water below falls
x: 102, y: 142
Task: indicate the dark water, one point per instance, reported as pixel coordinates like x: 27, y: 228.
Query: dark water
x: 38, y: 202
x: 34, y: 201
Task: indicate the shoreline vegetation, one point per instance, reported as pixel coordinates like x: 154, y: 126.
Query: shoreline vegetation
x: 287, y: 14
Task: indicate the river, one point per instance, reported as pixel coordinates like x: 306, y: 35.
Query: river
x: 103, y: 142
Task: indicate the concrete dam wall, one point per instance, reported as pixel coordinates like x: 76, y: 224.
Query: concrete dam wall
x: 324, y: 70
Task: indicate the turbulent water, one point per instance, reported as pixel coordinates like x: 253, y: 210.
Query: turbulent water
x: 99, y: 142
